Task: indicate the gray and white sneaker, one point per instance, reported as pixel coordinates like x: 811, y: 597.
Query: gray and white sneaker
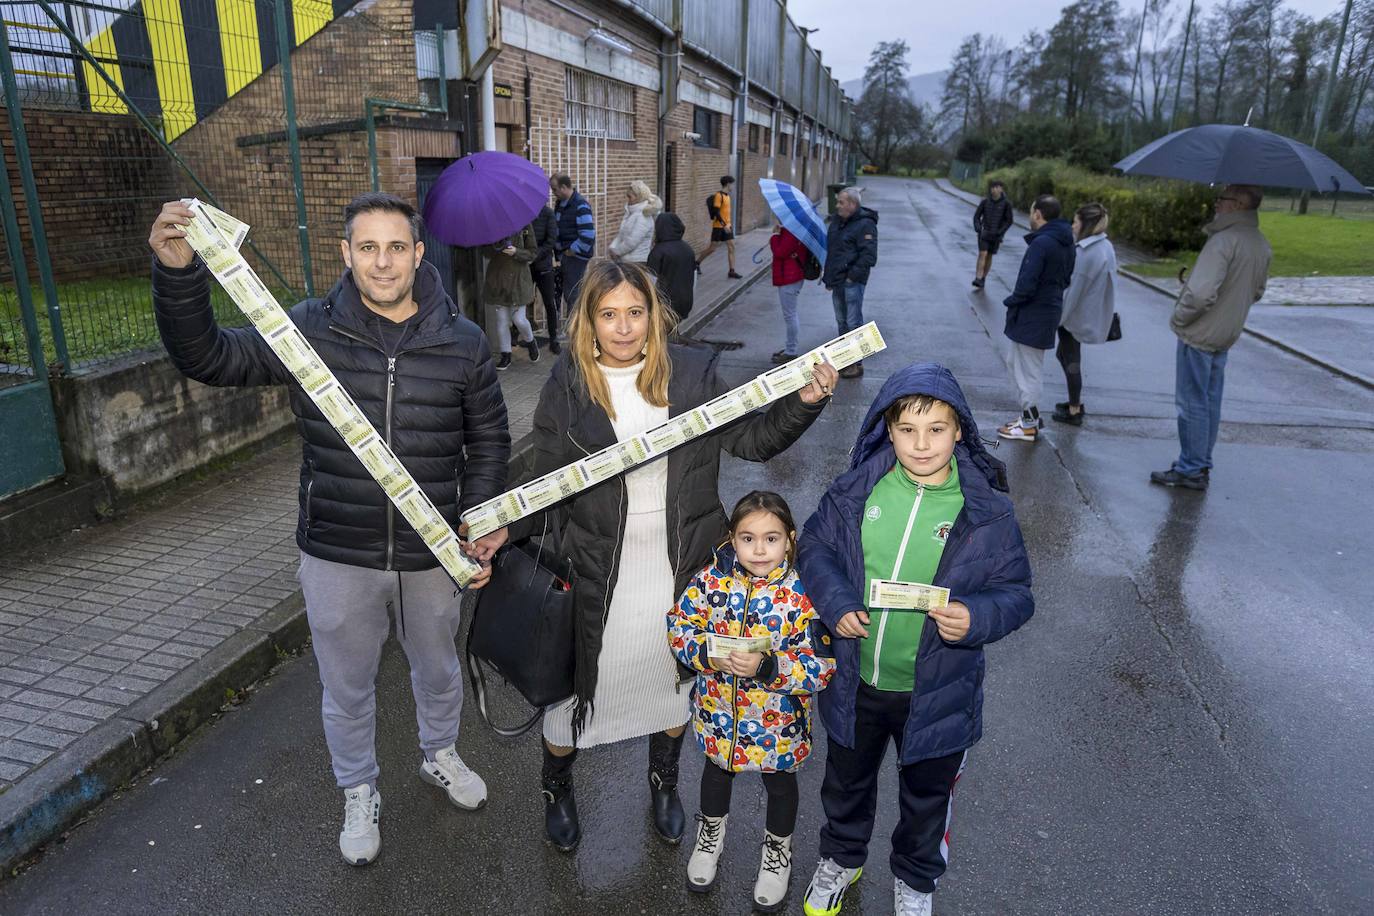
x: 909, y: 902
x: 361, y: 837
x: 701, y: 867
x: 448, y: 771
x: 825, y: 893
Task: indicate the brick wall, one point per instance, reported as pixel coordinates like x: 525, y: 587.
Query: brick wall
x: 241, y: 153
x: 98, y: 177
x: 602, y: 178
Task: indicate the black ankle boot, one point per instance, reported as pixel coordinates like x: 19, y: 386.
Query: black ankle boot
x: 560, y: 808
x: 669, y: 819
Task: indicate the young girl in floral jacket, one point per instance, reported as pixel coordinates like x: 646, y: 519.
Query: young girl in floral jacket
x: 751, y: 704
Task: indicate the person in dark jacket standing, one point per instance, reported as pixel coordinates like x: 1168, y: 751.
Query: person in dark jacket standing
x: 576, y: 242
x: 922, y: 502
x: 422, y: 375
x: 991, y: 221
x: 542, y: 270
x: 851, y: 252
x: 789, y: 274
x: 1033, y: 311
x: 673, y: 262
x: 636, y: 540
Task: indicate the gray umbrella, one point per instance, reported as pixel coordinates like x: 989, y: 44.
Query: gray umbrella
x: 1220, y: 154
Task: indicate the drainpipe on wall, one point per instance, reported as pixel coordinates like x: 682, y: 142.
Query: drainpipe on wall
x: 488, y: 110
x: 741, y: 118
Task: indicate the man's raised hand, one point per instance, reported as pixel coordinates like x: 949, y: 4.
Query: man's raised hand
x: 168, y: 238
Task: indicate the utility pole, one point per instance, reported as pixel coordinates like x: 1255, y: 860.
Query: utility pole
x: 1324, y: 104
x: 1135, y: 76
x: 1183, y: 62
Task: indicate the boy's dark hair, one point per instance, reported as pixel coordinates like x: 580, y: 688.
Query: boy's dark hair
x: 1048, y: 205
x: 921, y: 403
x: 727, y: 180
x: 996, y: 183
x: 376, y: 202
x: 773, y: 504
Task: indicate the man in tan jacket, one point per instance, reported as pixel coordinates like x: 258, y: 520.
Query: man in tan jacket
x: 1229, y: 277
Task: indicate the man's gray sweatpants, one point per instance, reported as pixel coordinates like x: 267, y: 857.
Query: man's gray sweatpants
x: 347, y: 609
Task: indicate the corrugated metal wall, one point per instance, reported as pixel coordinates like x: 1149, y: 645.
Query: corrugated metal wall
x: 714, y: 27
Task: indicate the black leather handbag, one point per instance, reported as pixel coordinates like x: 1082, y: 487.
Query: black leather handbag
x: 1114, y: 332
x: 522, y: 627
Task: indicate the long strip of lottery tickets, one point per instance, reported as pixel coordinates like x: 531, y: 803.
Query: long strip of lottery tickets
x: 216, y: 237
x: 563, y: 483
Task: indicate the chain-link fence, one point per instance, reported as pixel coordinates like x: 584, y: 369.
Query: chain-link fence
x: 125, y: 109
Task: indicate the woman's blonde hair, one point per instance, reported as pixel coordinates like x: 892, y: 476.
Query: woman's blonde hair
x: 1092, y: 218
x: 643, y: 194
x: 602, y: 277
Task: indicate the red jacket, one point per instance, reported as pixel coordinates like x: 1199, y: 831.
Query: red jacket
x: 789, y: 254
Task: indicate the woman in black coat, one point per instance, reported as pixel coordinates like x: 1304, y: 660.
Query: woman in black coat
x: 636, y: 539
x: 674, y: 263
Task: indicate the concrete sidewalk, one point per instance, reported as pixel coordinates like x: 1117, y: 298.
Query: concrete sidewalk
x: 118, y: 640
x: 1291, y: 316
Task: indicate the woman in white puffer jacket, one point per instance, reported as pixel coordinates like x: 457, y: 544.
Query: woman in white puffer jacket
x: 636, y: 235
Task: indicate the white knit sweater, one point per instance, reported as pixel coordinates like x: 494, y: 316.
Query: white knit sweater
x: 647, y: 485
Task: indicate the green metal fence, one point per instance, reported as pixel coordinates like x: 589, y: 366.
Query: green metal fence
x: 965, y: 171
x: 125, y: 109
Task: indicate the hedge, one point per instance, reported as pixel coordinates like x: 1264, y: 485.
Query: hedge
x: 1159, y: 216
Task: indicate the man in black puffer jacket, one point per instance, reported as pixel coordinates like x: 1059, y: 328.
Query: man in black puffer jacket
x: 851, y: 251
x: 422, y: 375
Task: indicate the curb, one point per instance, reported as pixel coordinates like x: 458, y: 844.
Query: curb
x: 40, y: 806
x: 65, y: 787
x: 1305, y: 355
x: 698, y: 320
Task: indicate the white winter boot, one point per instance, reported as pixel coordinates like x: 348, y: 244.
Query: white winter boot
x: 701, y: 868
x: 775, y: 871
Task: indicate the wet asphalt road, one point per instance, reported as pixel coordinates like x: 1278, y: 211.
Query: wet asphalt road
x: 1182, y: 728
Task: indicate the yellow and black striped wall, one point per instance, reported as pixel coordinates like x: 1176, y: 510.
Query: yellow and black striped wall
x: 179, y: 60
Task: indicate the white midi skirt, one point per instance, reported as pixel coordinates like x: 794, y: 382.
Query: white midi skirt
x: 637, y: 690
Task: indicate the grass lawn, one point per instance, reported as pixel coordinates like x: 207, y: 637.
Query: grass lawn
x: 1315, y: 245
x: 102, y: 319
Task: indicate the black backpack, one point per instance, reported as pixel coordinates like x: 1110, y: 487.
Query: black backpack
x: 712, y: 208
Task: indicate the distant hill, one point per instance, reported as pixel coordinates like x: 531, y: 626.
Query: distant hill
x: 926, y: 88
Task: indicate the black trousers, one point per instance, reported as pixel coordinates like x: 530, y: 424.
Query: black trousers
x: 1070, y: 356
x: 544, y: 282
x: 783, y: 797
x: 849, y: 794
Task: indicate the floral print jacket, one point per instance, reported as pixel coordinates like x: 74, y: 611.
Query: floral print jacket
x: 747, y: 723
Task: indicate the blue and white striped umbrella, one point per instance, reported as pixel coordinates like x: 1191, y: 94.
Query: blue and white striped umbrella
x: 796, y: 214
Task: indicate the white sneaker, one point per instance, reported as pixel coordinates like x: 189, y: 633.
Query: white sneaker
x: 1024, y: 430
x: 448, y: 771
x: 361, y: 837
x: 825, y: 893
x: 775, y: 871
x: 909, y: 902
x: 701, y: 867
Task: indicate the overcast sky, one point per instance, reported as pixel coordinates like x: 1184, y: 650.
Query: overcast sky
x: 933, y: 28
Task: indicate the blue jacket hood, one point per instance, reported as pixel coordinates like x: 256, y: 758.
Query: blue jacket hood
x: 932, y: 380
x: 1060, y: 230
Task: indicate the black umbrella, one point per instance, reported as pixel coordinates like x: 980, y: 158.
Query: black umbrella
x: 1220, y: 154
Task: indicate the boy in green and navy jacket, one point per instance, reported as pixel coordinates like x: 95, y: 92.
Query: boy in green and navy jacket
x: 922, y: 502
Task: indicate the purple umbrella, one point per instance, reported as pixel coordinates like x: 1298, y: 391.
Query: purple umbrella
x: 484, y: 198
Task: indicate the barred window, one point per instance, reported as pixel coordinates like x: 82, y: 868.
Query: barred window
x: 598, y: 106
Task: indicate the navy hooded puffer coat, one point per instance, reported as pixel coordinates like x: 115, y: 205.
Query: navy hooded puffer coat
x: 984, y: 566
x: 1036, y: 304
